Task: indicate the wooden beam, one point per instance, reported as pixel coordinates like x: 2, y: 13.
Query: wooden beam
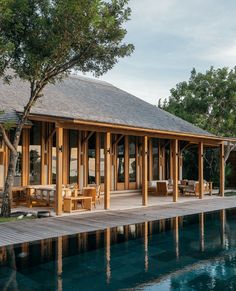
x: 163, y: 163
x: 145, y: 171
x: 222, y: 170
x: 200, y: 170
x: 59, y: 163
x: 107, y: 174
x: 118, y: 139
x: 126, y: 162
x: 51, y: 135
x: 87, y: 137
x: 175, y: 171
x: 102, y: 127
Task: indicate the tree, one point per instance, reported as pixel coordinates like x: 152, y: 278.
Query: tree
x: 41, y: 41
x: 207, y: 100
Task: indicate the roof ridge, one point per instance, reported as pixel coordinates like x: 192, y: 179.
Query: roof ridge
x: 89, y: 79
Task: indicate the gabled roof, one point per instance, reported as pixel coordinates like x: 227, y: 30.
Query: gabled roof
x: 91, y: 100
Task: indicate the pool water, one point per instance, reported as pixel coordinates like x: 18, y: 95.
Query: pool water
x: 196, y: 252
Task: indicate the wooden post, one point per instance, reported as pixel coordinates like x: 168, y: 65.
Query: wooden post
x: 59, y: 165
x: 200, y: 170
x: 145, y: 171
x: 163, y: 163
x: 175, y: 170
x: 222, y: 170
x: 107, y: 174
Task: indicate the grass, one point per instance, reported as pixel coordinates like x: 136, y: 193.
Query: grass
x: 10, y: 219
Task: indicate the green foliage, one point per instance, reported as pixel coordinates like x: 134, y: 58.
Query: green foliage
x: 44, y: 39
x: 207, y: 100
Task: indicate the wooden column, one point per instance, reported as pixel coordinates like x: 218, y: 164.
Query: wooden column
x: 175, y: 170
x: 126, y: 162
x: 107, y: 174
x: 200, y: 170
x: 97, y: 159
x: 222, y: 170
x: 145, y: 171
x: 59, y: 165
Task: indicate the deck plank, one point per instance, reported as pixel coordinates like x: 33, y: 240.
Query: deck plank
x: 33, y: 230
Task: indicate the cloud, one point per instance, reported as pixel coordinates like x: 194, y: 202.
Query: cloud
x: 171, y: 37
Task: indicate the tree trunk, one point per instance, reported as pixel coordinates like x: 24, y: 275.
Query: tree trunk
x: 7, y: 193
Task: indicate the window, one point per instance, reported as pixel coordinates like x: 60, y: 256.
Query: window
x: 132, y: 159
x: 35, y: 154
x: 54, y: 160
x: 102, y: 156
x: 73, y: 156
x: 155, y: 158
x: 121, y: 161
x: 91, y: 159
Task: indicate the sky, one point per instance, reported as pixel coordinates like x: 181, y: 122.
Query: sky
x: 171, y: 37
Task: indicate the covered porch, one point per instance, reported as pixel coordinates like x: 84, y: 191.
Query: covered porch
x: 124, y: 163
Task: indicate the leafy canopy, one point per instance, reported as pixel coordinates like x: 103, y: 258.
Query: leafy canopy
x: 207, y: 100
x: 44, y: 39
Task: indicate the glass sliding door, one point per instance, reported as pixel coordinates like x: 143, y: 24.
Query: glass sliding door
x: 120, y: 164
x: 102, y: 158
x: 73, y: 156
x: 54, y: 160
x: 132, y: 161
x: 91, y: 159
x: 35, y: 154
x: 155, y: 158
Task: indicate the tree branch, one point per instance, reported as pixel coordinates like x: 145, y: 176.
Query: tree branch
x: 6, y: 139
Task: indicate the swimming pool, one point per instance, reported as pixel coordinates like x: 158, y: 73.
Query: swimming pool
x: 196, y: 252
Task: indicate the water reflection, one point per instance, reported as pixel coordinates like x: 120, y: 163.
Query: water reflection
x: 173, y: 251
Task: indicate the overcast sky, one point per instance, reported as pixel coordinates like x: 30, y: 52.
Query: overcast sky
x: 171, y: 37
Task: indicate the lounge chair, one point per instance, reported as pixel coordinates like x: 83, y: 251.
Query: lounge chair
x: 163, y: 189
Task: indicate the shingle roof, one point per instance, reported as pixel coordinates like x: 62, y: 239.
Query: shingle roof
x: 91, y: 100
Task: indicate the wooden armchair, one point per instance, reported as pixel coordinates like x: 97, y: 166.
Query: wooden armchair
x: 98, y: 191
x: 193, y: 188
x: 163, y: 189
x: 90, y: 192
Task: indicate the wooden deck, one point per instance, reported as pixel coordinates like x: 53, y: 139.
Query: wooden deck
x: 33, y: 230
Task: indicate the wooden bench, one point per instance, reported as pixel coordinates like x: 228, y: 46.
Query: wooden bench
x: 71, y: 203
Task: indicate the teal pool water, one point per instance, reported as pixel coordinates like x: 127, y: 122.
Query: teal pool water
x: 196, y: 252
